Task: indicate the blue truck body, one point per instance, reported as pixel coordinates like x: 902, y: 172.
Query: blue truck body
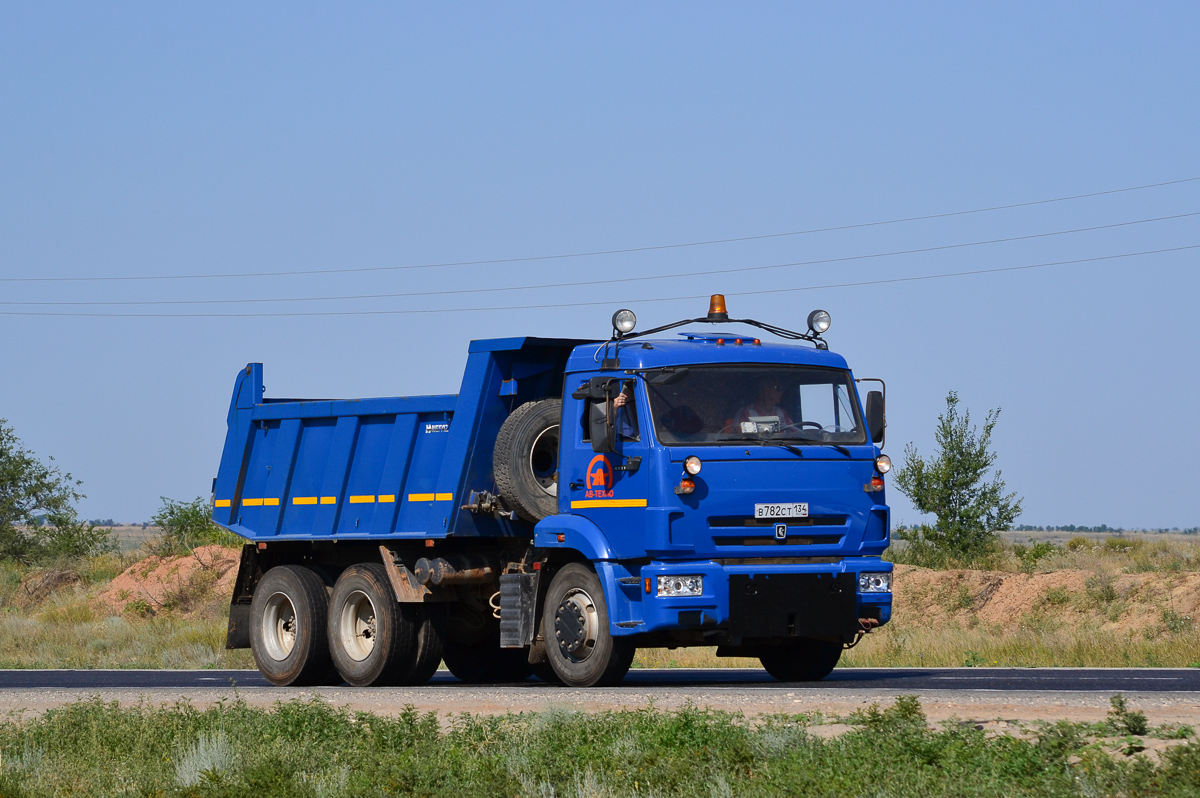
x: 346, y: 476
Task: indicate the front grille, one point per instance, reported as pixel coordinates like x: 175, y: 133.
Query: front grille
x: 776, y: 560
x: 721, y: 522
x: 765, y: 540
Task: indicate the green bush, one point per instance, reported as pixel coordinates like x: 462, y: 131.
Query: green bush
x: 951, y: 486
x: 186, y: 526
x: 308, y: 748
x: 38, y: 521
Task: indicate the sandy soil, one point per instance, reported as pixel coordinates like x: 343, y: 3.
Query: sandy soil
x: 161, y: 582
x: 1004, y: 601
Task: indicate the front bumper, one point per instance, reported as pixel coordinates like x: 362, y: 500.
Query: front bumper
x: 749, y: 601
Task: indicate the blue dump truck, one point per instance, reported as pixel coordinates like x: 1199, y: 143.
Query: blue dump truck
x: 577, y: 500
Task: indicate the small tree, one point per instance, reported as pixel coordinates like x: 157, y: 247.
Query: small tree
x: 951, y: 486
x: 187, y: 525
x: 38, y: 521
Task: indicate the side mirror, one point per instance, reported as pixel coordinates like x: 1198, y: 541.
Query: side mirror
x: 601, y: 428
x: 875, y: 416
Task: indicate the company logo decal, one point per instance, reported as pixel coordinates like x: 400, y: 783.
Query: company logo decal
x: 599, y: 478
x: 437, y: 428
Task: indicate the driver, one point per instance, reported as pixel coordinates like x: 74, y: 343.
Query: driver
x: 623, y: 411
x: 770, y: 393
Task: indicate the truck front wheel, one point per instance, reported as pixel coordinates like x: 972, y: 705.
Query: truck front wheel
x: 802, y: 661
x: 287, y: 627
x: 579, y: 646
x: 374, y: 639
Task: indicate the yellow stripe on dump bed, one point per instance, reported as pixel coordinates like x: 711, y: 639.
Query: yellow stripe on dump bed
x: 329, y: 500
x: 304, y: 500
x: 271, y: 502
x: 362, y: 499
x: 252, y: 502
x: 431, y: 497
x: 586, y: 503
x: 389, y: 498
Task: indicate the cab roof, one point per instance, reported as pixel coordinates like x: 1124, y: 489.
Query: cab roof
x: 699, y: 348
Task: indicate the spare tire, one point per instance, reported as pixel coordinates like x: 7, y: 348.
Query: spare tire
x: 525, y: 460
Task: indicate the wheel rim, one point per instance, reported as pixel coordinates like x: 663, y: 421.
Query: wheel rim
x: 543, y: 460
x: 358, y: 630
x: 279, y: 627
x: 576, y: 625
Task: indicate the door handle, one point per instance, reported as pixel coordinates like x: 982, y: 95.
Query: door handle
x: 576, y: 486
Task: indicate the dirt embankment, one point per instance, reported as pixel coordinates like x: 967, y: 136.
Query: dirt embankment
x: 194, y: 583
x: 1121, y: 602
x: 201, y: 583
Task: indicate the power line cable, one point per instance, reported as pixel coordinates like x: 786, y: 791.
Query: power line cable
x: 605, y: 281
x: 596, y: 253
x: 610, y: 303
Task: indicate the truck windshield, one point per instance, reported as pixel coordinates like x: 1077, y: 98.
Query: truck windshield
x: 712, y: 405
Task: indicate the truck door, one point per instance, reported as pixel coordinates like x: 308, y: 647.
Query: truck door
x: 609, y: 488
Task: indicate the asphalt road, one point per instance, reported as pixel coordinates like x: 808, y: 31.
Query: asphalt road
x: 1048, y: 680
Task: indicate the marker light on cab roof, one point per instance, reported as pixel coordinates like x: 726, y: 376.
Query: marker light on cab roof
x: 818, y: 321
x: 624, y: 321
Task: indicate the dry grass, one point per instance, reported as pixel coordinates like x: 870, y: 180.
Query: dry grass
x: 1118, y: 601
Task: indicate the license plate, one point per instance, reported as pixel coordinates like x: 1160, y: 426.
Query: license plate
x: 785, y: 510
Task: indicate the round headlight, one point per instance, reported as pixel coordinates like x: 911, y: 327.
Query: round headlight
x: 624, y: 321
x: 692, y: 465
x: 818, y: 321
x: 883, y: 464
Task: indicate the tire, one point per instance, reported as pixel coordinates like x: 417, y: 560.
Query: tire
x: 525, y: 459
x: 579, y: 646
x: 802, y: 661
x: 287, y: 627
x: 373, y: 638
x: 431, y: 634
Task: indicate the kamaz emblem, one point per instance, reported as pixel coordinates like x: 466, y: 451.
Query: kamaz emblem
x: 781, y: 531
x: 437, y: 428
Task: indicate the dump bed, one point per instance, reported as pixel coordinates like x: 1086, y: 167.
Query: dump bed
x: 396, y: 467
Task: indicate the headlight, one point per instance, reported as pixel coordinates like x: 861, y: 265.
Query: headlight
x: 818, y: 321
x: 874, y: 583
x: 624, y: 321
x: 692, y: 465
x: 883, y: 464
x: 681, y: 585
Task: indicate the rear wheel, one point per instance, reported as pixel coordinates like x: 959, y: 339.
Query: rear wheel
x: 431, y: 632
x: 287, y: 627
x: 374, y: 639
x: 579, y: 646
x: 802, y: 661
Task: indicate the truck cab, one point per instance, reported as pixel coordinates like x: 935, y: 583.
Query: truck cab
x: 659, y: 489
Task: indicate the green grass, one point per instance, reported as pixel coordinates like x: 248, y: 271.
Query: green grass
x: 312, y: 749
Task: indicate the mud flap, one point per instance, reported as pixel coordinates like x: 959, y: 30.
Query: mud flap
x: 238, y: 633
x: 518, y: 603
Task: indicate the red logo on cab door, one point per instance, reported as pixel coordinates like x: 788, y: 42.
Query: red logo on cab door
x: 599, y: 478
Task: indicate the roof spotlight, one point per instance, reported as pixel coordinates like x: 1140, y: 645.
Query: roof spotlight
x: 624, y: 321
x: 818, y: 321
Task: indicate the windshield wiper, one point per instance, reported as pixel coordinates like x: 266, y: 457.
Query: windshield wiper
x: 837, y: 446
x: 793, y: 448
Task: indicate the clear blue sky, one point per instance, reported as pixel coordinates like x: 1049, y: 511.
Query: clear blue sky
x: 179, y: 139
